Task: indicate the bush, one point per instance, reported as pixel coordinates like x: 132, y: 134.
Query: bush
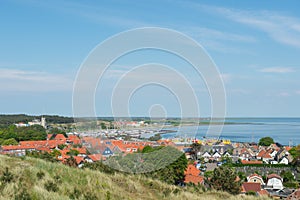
x: 23, y: 195
x: 40, y: 175
x: 51, y: 186
x: 266, y: 141
x: 252, y: 193
x: 75, y: 194
x: 7, y: 176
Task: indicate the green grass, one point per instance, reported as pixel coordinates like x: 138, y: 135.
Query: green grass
x: 37, y: 179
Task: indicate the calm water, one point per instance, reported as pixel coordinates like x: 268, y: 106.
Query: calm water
x: 282, y: 130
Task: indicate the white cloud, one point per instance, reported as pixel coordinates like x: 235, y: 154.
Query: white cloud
x: 277, y: 70
x: 226, y: 77
x: 283, y: 29
x: 23, y: 80
x: 220, y: 35
x: 284, y: 94
x: 298, y: 92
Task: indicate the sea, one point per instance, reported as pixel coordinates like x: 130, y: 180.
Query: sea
x: 285, y: 131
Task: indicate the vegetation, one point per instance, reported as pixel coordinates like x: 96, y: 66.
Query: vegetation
x: 266, y: 141
x: 63, y: 182
x: 7, y: 120
x: 162, y: 163
x: 156, y: 137
x: 224, y: 179
x: 12, y: 134
x: 196, y: 147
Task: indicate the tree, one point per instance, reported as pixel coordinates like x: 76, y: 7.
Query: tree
x: 71, y: 162
x: 266, y: 141
x: 295, y: 151
x: 156, y: 137
x: 196, y: 148
x: 287, y: 176
x: 224, y: 179
x: 73, y: 152
x: 10, y: 141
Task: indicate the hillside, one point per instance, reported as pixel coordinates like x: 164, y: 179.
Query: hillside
x: 31, y: 178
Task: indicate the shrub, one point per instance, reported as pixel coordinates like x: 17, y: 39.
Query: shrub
x: 51, y: 186
x: 252, y: 193
x: 75, y: 194
x: 40, y: 175
x: 7, y: 176
x: 23, y: 195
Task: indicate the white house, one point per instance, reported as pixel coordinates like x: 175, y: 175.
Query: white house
x: 226, y: 154
x: 273, y: 154
x: 274, y: 181
x: 284, y: 160
x: 273, y: 162
x: 255, y: 178
x: 216, y: 155
x: 206, y: 155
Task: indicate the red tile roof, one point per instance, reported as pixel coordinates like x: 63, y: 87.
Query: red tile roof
x: 247, y: 187
x: 78, y: 159
x: 295, y: 195
x: 194, y: 179
x: 192, y: 170
x: 261, y: 153
x: 274, y: 176
x: 60, y: 137
x: 251, y: 162
x: 96, y: 157
x: 253, y: 175
x: 263, y: 192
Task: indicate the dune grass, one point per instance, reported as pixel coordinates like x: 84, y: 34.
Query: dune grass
x: 30, y: 178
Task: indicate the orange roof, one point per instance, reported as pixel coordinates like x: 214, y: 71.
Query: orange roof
x: 80, y: 150
x: 193, y: 179
x: 251, y: 162
x: 60, y: 137
x: 274, y: 176
x: 248, y: 186
x: 74, y: 139
x: 263, y: 192
x: 16, y: 147
x: 253, y: 175
x: 192, y: 170
x: 288, y: 148
x: 267, y: 156
x: 78, y: 159
x: 261, y: 153
x: 96, y: 157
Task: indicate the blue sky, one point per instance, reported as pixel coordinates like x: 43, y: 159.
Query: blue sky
x: 256, y: 46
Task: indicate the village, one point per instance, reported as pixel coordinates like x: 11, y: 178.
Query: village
x: 261, y: 165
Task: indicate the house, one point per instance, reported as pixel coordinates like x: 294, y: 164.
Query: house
x: 283, y: 153
x: 250, y: 187
x: 282, y: 194
x: 274, y: 181
x: 226, y: 154
x: 295, y: 195
x: 216, y: 155
x: 251, y: 162
x: 273, y: 162
x: 104, y: 151
x: 263, y: 193
x: 79, y: 161
x: 192, y: 175
x: 206, y: 155
x: 94, y: 157
x: 245, y: 154
x: 284, y: 160
x: 264, y: 156
x: 255, y: 178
